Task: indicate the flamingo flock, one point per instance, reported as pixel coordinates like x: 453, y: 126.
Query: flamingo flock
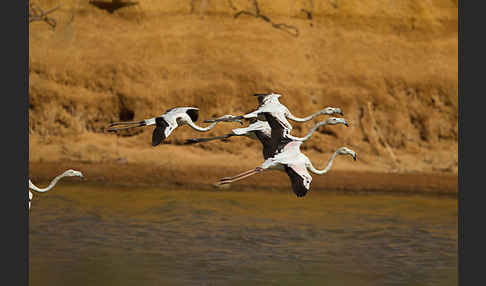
x: 268, y: 123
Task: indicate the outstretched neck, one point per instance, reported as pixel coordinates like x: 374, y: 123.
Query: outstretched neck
x: 298, y: 119
x: 325, y: 170
x: 199, y: 128
x: 309, y: 134
x: 50, y: 186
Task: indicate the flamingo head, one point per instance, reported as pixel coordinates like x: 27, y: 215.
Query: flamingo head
x: 336, y: 120
x: 347, y: 151
x: 73, y: 173
x: 332, y: 110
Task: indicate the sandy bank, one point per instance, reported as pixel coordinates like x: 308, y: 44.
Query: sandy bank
x: 203, y: 177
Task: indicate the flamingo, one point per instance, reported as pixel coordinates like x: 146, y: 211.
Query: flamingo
x: 67, y: 173
x: 269, y: 103
x: 168, y: 122
x: 292, y: 161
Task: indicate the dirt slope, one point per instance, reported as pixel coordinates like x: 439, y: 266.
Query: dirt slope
x: 390, y: 65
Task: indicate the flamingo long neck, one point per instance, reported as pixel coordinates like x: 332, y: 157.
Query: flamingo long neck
x: 312, y: 130
x: 309, y: 134
x: 199, y: 128
x: 325, y: 170
x: 304, y: 119
x: 50, y: 186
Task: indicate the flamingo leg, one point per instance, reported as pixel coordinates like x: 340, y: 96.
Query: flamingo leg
x: 225, y: 119
x: 199, y: 140
x: 238, y: 177
x: 124, y: 123
x: 121, y: 128
x: 132, y: 123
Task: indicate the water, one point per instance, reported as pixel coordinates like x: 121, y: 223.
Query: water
x: 97, y: 235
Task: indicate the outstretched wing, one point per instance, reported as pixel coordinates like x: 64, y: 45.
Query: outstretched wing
x: 268, y: 150
x: 300, y: 183
x: 159, y: 132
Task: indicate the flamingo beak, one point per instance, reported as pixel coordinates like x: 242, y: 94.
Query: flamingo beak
x: 354, y: 157
x: 346, y: 124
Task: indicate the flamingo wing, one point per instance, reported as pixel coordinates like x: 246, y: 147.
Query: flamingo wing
x: 299, y: 179
x: 159, y: 132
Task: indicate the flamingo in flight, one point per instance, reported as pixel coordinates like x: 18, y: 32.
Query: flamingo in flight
x: 292, y: 161
x: 269, y: 103
x: 166, y: 123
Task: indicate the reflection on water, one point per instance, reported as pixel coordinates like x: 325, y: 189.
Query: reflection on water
x: 97, y: 235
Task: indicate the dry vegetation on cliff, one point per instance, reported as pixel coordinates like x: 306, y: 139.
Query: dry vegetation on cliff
x: 391, y: 65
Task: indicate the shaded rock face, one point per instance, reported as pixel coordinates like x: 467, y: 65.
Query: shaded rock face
x: 391, y: 66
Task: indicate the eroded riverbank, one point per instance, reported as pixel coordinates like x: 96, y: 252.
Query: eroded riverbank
x: 203, y: 176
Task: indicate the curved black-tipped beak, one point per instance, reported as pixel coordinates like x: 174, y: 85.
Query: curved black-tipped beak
x: 354, y: 157
x: 346, y: 124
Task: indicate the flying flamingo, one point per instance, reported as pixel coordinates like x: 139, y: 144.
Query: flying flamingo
x: 269, y: 103
x: 168, y: 122
x: 261, y: 131
x: 68, y: 173
x: 295, y: 164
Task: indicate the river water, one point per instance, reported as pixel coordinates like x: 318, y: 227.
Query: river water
x: 93, y: 235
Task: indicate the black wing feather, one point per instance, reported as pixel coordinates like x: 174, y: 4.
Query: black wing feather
x: 266, y: 143
x: 297, y: 182
x: 278, y: 139
x: 260, y: 97
x: 159, y: 132
x: 193, y: 114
